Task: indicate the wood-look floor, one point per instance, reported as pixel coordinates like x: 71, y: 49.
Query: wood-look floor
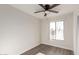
x: 48, y: 50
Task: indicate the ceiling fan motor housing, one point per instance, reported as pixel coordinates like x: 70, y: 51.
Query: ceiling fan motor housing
x: 47, y: 7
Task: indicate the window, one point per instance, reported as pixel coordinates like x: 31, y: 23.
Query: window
x: 57, y: 30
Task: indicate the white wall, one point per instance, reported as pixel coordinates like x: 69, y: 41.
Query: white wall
x: 19, y: 32
x: 67, y: 43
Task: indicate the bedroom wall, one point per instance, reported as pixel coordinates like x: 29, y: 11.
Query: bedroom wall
x: 67, y: 43
x: 19, y: 31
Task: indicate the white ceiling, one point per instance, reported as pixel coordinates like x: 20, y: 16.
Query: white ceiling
x: 31, y: 8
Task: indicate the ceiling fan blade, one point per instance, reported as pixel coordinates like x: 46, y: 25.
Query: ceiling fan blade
x: 40, y: 11
x: 41, y: 5
x: 54, y: 5
x: 53, y: 11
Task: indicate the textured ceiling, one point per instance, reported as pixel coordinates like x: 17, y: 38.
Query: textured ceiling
x: 31, y: 8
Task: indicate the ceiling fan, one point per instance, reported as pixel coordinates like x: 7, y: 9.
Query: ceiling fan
x: 47, y: 7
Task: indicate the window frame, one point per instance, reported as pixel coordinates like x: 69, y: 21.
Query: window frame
x: 55, y: 29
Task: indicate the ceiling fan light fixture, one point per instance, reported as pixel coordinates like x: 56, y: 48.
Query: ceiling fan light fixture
x: 45, y: 14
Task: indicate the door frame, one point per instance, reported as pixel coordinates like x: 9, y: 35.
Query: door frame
x: 75, y: 40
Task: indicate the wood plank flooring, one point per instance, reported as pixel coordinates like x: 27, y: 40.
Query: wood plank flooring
x: 48, y: 50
